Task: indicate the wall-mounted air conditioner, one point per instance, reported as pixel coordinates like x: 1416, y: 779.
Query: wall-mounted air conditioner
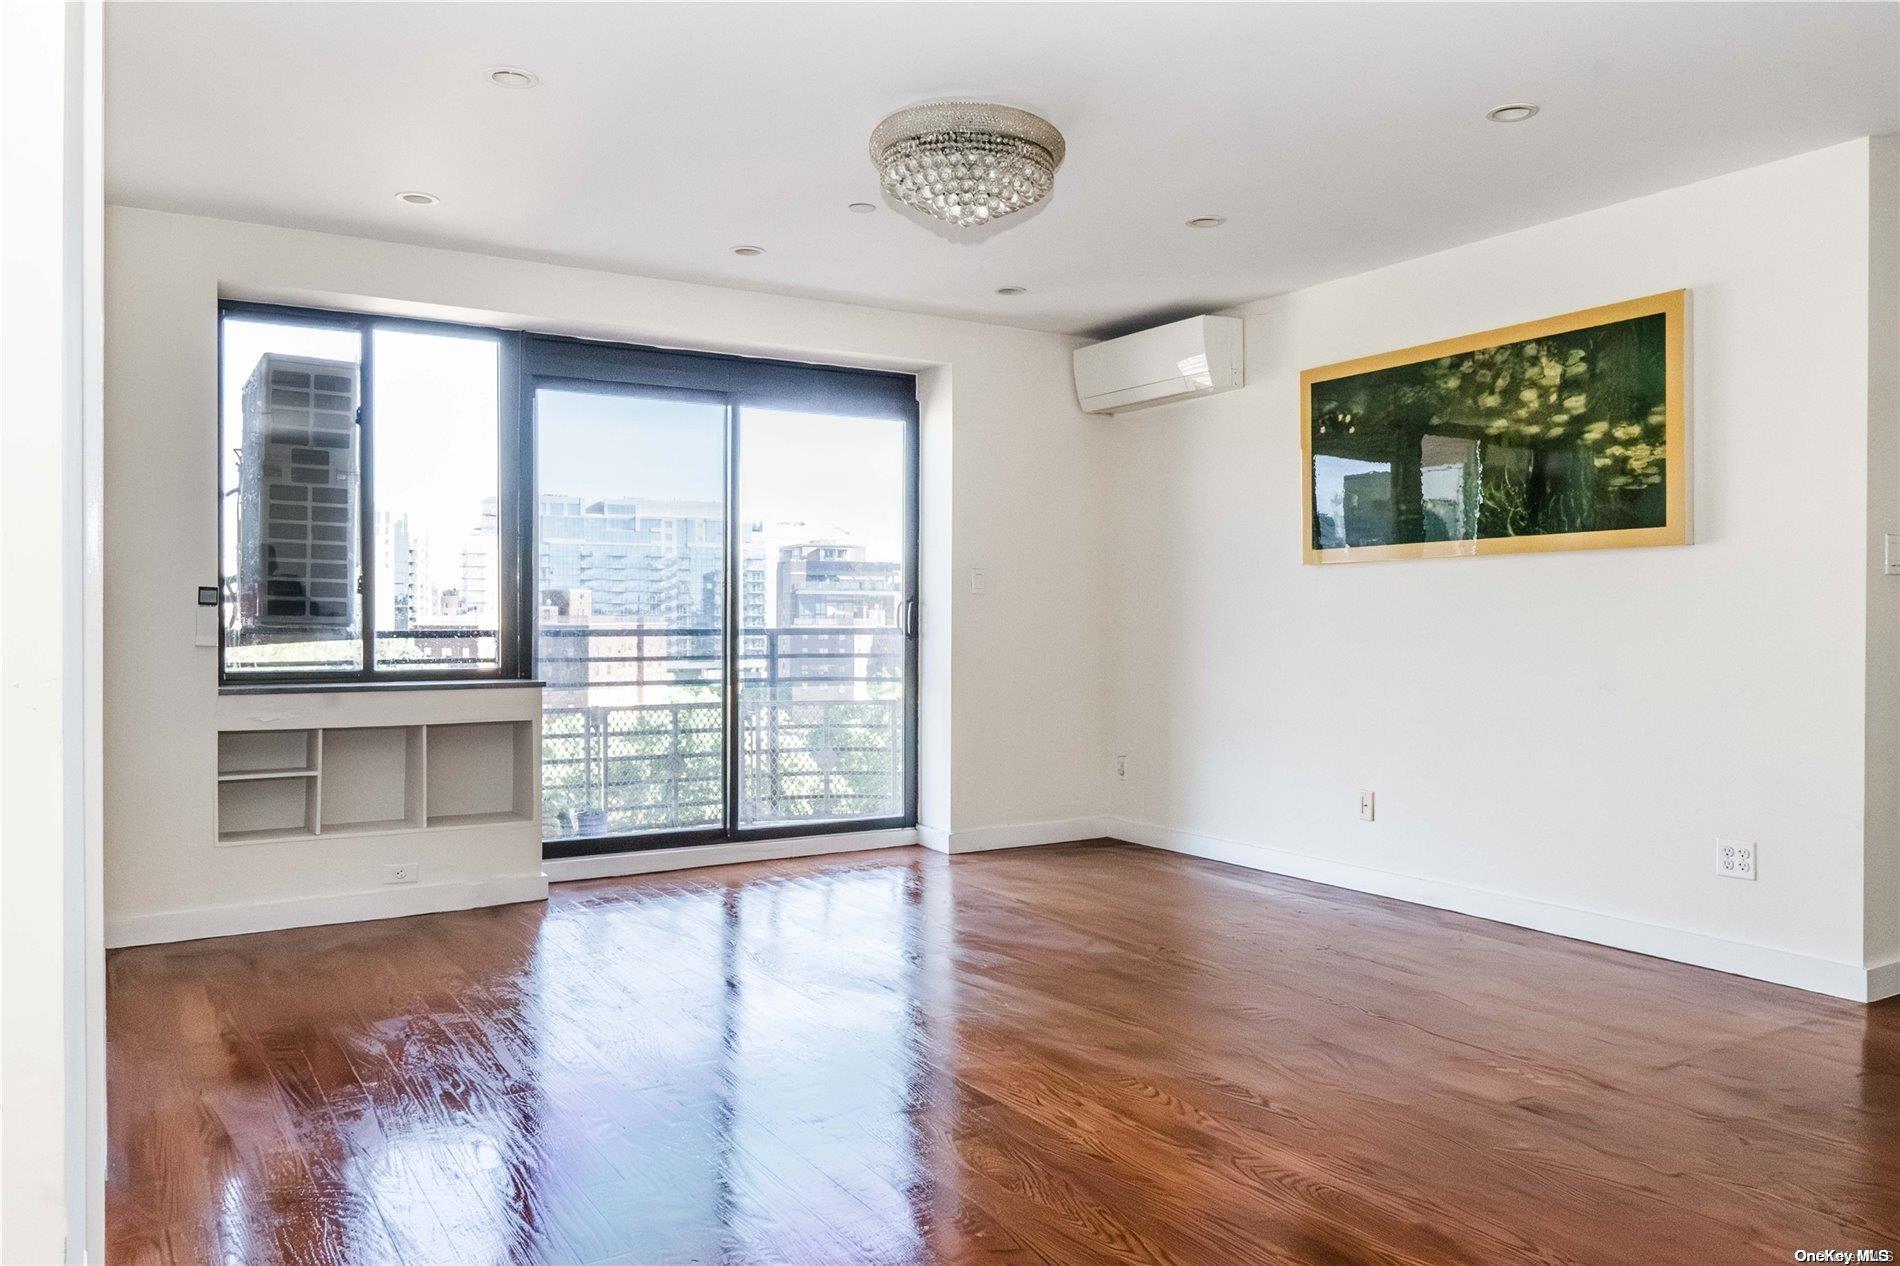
x: 1195, y: 357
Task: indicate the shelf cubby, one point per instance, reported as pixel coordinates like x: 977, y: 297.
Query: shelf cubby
x: 372, y: 780
x: 245, y: 755
x: 251, y: 810
x: 310, y: 780
x: 481, y: 773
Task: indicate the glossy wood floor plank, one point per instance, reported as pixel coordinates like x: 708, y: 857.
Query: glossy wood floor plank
x: 1077, y: 1054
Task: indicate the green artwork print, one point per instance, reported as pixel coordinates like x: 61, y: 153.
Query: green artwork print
x: 1561, y: 435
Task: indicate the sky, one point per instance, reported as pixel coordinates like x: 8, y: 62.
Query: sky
x: 846, y: 473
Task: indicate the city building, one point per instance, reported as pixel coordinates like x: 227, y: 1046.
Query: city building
x: 297, y: 474
x: 405, y: 598
x: 832, y: 583
x: 649, y: 563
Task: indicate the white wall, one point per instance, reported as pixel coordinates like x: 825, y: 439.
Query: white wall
x: 51, y: 967
x: 1883, y: 608
x: 1013, y: 711
x: 1556, y: 739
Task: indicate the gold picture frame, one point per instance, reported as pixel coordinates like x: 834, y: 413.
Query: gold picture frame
x: 1674, y: 477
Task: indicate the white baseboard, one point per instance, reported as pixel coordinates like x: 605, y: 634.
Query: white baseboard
x: 1819, y: 975
x: 1018, y: 835
x: 608, y: 865
x: 1883, y: 980
x: 346, y: 907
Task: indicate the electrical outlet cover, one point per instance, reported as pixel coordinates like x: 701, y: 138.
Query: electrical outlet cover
x: 1735, y: 859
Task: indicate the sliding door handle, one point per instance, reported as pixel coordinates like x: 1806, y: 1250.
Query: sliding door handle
x: 907, y: 617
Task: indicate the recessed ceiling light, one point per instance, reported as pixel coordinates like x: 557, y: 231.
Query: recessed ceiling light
x: 748, y: 250
x: 1011, y: 290
x: 1207, y: 221
x: 416, y: 198
x: 512, y: 77
x: 1516, y: 112
x: 863, y: 208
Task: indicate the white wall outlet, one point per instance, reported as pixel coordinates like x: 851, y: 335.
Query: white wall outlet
x: 1365, y: 806
x: 1121, y: 769
x: 400, y: 873
x: 1735, y: 858
x: 979, y: 580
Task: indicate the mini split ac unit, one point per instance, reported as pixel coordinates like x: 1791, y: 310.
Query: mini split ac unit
x: 1195, y: 357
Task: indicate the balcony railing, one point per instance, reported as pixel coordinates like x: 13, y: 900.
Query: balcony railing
x: 632, y: 728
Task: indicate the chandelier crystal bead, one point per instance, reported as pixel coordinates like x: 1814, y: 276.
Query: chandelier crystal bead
x: 968, y: 162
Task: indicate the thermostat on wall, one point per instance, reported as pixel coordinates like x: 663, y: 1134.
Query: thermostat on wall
x: 207, y: 631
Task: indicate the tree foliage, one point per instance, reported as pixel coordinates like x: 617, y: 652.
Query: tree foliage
x: 1561, y: 434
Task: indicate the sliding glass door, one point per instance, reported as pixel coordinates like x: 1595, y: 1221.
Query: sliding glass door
x: 629, y: 635
x: 824, y: 512
x: 724, y: 581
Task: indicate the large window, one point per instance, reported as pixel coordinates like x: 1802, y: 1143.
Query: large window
x: 362, y: 480
x: 709, y: 560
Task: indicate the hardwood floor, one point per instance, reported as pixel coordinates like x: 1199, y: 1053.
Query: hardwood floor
x: 1075, y: 1054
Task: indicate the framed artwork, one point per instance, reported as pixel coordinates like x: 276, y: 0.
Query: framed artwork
x: 1567, y: 433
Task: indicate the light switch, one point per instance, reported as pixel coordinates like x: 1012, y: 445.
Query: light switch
x: 1892, y: 557
x: 979, y: 580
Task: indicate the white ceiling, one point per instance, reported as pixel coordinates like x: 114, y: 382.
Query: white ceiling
x: 1334, y: 138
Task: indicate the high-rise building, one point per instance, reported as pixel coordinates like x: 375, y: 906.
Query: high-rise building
x: 639, y: 561
x: 651, y: 563
x: 832, y: 583
x: 831, y: 588
x: 753, y: 606
x: 477, y: 568
x: 297, y: 472
x: 405, y: 596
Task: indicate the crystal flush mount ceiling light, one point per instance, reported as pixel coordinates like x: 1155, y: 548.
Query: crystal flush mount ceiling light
x: 967, y: 162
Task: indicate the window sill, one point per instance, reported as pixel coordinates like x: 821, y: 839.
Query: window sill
x: 354, y: 687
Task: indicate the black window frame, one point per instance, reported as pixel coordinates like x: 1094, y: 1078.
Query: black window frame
x: 526, y: 359
x: 513, y: 639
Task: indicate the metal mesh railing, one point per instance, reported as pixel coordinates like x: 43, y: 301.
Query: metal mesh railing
x: 821, y: 728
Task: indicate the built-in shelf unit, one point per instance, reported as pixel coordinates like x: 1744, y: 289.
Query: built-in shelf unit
x: 286, y: 774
